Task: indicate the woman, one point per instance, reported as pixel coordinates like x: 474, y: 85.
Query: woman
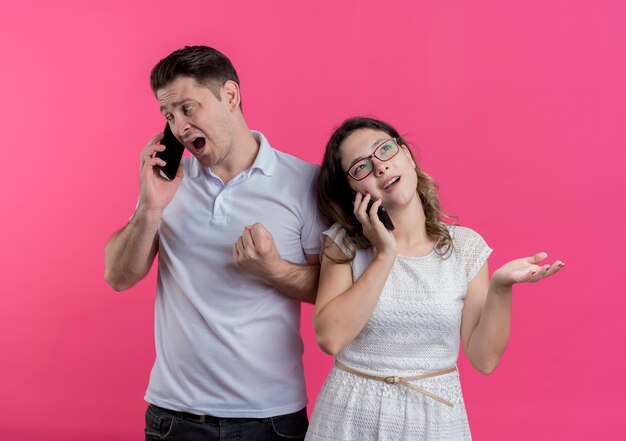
x: 393, y: 306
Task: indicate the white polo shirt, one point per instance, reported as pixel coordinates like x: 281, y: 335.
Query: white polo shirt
x: 228, y: 345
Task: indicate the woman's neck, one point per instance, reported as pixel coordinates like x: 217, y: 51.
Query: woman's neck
x: 410, y: 229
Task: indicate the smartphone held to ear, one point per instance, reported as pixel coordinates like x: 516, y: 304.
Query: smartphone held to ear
x: 172, y: 154
x: 384, y: 217
x: 382, y: 214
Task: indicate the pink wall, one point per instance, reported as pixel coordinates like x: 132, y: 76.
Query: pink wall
x: 517, y: 108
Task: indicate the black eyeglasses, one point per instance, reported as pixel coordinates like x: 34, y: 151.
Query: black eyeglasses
x: 363, y: 167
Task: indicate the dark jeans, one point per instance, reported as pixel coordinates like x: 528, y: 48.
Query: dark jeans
x: 179, y: 426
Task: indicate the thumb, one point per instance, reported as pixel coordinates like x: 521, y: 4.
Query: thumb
x: 257, y: 226
x: 538, y: 257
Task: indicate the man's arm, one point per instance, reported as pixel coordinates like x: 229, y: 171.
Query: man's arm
x: 255, y: 252
x: 297, y: 281
x: 129, y: 254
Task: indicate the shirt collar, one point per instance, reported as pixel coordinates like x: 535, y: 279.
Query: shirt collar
x: 265, y: 160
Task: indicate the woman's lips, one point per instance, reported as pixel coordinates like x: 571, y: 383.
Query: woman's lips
x: 391, y: 183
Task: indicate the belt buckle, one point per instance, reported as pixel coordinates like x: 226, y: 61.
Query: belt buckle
x: 392, y: 380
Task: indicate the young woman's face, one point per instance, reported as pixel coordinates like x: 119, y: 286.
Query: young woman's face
x: 391, y: 175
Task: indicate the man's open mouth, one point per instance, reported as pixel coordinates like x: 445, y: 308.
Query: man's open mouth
x: 199, y: 143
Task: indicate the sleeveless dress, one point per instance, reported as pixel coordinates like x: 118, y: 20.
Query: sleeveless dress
x: 414, y: 329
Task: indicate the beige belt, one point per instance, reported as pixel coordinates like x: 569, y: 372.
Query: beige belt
x: 404, y: 381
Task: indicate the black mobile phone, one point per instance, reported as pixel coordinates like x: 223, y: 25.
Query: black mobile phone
x: 382, y: 214
x: 172, y: 154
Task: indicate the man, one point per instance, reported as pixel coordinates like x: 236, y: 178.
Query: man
x: 228, y: 348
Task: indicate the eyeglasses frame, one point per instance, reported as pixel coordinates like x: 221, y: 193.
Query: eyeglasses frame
x: 373, y: 155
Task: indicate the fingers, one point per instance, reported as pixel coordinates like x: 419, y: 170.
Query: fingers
x: 151, y: 148
x: 549, y: 270
x: 373, y: 213
x: 155, y: 161
x: 544, y: 271
x: 254, y: 241
x: 261, y: 238
x: 149, y: 166
x: 235, y: 253
x: 360, y: 206
x: 257, y: 229
x: 255, y: 251
x: 157, y: 138
x: 239, y: 251
x: 154, y: 142
x: 365, y: 216
x: 240, y: 248
x: 247, y: 241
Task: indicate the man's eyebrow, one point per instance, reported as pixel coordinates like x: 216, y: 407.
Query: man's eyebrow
x: 173, y: 105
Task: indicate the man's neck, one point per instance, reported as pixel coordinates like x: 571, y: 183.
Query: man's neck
x: 241, y: 156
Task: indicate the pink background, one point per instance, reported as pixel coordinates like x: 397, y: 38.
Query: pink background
x: 516, y: 108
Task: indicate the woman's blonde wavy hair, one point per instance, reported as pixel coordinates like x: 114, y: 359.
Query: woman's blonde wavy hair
x: 335, y: 197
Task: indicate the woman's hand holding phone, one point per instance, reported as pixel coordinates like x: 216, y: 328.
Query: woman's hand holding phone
x: 382, y: 213
x: 368, y: 212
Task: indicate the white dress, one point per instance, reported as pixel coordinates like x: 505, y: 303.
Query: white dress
x: 414, y: 329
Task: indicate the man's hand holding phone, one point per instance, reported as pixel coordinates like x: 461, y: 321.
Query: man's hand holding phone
x: 155, y: 191
x: 171, y: 155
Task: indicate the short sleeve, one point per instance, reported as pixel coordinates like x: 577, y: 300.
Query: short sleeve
x: 336, y: 233
x: 312, y: 226
x: 471, y: 250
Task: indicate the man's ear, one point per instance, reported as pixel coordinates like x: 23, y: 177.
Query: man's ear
x: 230, y: 93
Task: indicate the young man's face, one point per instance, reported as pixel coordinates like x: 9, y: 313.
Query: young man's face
x: 203, y: 123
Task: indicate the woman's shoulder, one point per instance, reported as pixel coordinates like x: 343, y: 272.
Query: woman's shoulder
x: 460, y: 232
x: 469, y: 249
x: 464, y: 237
x: 336, y: 233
